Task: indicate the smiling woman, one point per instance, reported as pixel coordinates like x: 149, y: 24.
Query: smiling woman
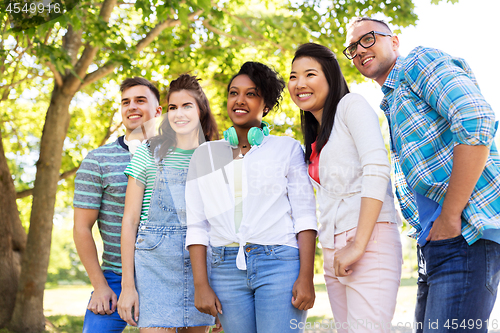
x: 257, y: 211
x: 349, y: 168
x: 155, y: 217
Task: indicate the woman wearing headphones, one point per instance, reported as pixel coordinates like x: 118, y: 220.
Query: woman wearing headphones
x: 249, y: 196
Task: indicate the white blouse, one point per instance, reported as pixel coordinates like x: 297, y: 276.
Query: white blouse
x: 353, y: 164
x: 278, y: 199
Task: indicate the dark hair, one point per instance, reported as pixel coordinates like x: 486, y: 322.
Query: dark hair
x: 359, y: 19
x: 268, y: 82
x: 166, y: 137
x: 139, y: 81
x: 337, y: 89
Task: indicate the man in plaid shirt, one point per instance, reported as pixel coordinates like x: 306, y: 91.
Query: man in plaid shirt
x: 447, y: 171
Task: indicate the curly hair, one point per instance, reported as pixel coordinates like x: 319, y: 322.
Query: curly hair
x: 268, y: 82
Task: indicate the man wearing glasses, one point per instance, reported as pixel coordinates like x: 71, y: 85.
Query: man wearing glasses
x: 447, y: 172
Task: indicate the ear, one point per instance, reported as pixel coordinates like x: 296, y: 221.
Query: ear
x: 266, y: 111
x: 395, y: 43
x: 158, y: 111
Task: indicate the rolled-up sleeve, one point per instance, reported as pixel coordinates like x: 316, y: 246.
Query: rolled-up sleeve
x: 448, y: 85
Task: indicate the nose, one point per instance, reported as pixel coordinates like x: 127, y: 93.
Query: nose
x: 301, y: 82
x: 240, y: 99
x: 132, y: 105
x: 360, y: 49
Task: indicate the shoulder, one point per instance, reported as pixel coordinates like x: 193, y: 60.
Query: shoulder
x: 282, y: 145
x: 106, y: 152
x: 422, y: 58
x: 423, y: 62
x: 352, y: 98
x: 353, y: 103
x: 284, y: 140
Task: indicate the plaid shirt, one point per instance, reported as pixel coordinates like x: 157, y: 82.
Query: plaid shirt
x: 432, y: 102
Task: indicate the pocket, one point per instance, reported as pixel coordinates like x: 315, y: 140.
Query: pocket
x: 148, y: 241
x: 447, y: 241
x: 217, y: 256
x: 492, y: 266
x: 285, y: 252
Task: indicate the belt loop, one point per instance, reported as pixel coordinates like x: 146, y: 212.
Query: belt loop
x: 222, y: 253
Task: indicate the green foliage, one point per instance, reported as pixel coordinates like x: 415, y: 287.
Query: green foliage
x: 210, y: 39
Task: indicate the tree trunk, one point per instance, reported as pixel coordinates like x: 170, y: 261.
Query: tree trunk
x: 28, y: 311
x: 9, y: 268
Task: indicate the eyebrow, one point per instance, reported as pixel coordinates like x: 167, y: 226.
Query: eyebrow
x: 233, y: 87
x: 187, y: 103
x: 136, y: 97
x: 307, y: 70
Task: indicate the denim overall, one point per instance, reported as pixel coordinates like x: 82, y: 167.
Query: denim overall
x: 163, y: 274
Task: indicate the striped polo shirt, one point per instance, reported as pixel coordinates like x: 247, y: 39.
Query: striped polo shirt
x: 101, y: 184
x: 143, y: 169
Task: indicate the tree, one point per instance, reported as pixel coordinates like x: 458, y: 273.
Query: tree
x: 82, y: 55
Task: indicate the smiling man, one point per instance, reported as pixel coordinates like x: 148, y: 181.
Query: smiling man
x: 100, y: 186
x: 447, y: 173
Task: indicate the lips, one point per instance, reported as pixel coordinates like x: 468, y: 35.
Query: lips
x: 304, y: 96
x: 240, y: 111
x: 181, y: 122
x: 367, y: 60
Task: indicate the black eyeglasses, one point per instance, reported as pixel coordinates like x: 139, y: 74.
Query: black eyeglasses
x: 366, y: 41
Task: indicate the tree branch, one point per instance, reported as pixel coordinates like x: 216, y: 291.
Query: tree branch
x: 57, y: 76
x: 110, y: 66
x: 64, y: 175
x: 153, y: 33
x: 107, y: 9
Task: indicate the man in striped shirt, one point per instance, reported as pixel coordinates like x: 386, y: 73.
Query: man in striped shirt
x: 447, y: 171
x: 100, y: 186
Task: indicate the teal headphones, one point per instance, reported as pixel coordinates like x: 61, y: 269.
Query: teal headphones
x: 255, y: 135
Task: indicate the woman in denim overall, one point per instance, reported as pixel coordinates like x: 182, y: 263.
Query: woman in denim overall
x: 158, y: 289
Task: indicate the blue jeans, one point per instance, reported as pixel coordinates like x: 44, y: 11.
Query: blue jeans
x: 457, y: 285
x: 260, y: 298
x: 106, y: 323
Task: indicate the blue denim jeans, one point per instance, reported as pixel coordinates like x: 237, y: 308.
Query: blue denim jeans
x: 457, y: 285
x: 260, y: 298
x: 106, y: 323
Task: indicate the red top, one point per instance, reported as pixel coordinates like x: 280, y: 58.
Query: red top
x: 314, y: 163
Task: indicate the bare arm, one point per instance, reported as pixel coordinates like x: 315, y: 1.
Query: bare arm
x: 303, y: 288
x: 205, y: 299
x: 129, y: 299
x: 468, y: 164
x: 353, y: 251
x: 86, y: 248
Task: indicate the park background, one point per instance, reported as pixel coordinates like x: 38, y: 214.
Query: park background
x: 61, y: 78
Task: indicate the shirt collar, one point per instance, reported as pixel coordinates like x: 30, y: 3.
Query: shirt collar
x: 390, y: 82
